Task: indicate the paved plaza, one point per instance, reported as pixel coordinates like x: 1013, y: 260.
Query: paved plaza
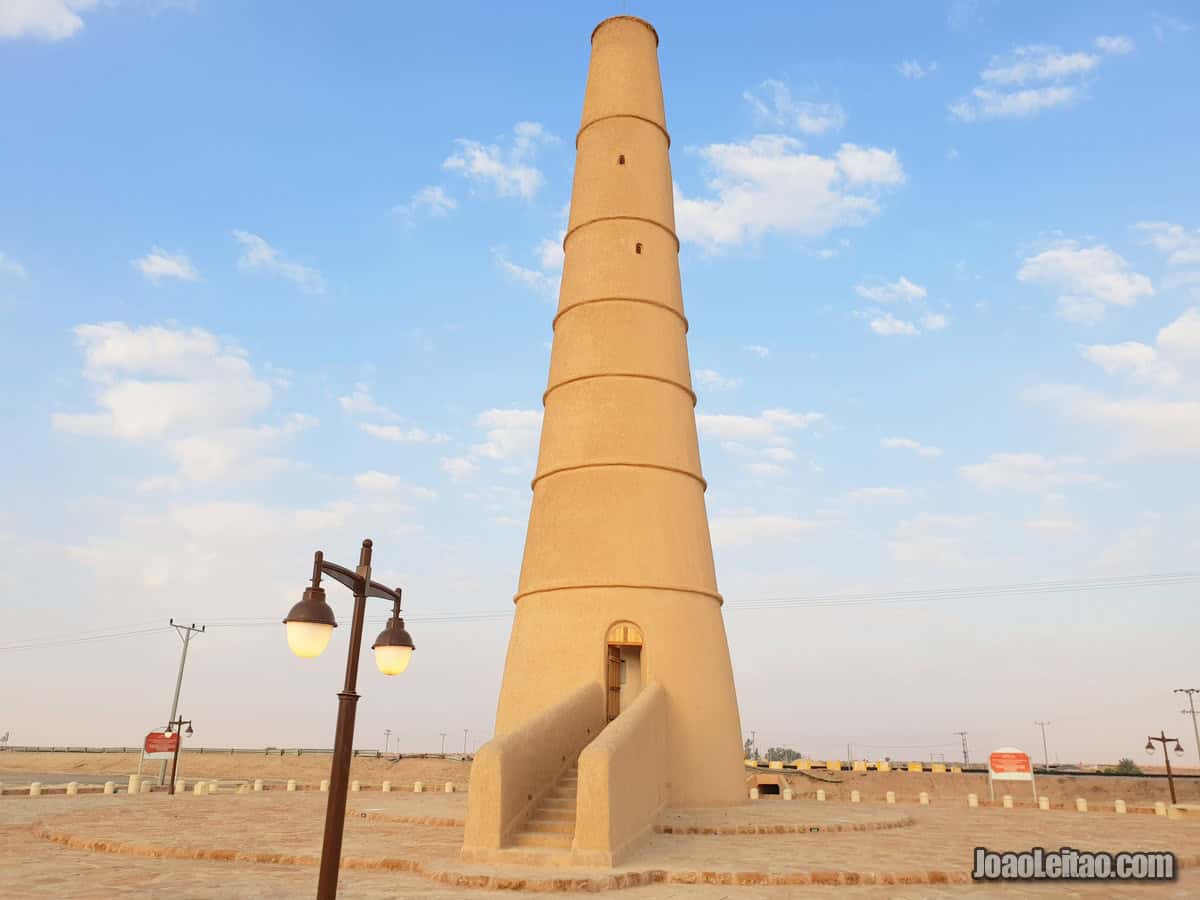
x: 406, y: 845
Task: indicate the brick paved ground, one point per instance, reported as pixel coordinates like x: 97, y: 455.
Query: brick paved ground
x: 285, y: 826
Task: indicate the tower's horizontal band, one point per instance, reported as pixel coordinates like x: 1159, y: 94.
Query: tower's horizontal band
x: 674, y: 236
x: 672, y: 310
x: 633, y: 465
x: 683, y: 387
x: 588, y: 124
x: 677, y: 589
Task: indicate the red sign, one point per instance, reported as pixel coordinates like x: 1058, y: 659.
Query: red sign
x: 1010, y: 763
x: 160, y: 742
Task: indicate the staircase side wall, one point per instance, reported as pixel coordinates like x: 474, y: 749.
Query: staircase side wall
x: 624, y: 781
x: 513, y: 772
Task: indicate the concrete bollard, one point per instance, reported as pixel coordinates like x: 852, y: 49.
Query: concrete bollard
x: 1080, y: 804
x: 35, y: 789
x: 110, y: 787
x: 291, y: 785
x: 243, y: 789
x: 355, y: 786
x: 855, y: 797
x: 1006, y: 801
x: 418, y: 787
x: 198, y: 789
x: 258, y: 784
x: 135, y: 785
x: 449, y: 788
x: 1119, y: 807
x: 1043, y: 802
x: 787, y: 794
x: 325, y: 785
x: 753, y: 793
x: 1160, y: 808
x: 923, y: 798
x: 890, y: 797
x: 72, y: 788
x: 821, y: 796
x: 972, y: 801
x: 386, y: 787
x: 180, y: 786
x: 147, y: 786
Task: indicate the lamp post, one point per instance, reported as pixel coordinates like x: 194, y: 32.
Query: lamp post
x: 310, y: 624
x: 177, y: 725
x: 1178, y: 749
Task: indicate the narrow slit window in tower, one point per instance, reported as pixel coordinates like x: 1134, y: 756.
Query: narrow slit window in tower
x: 621, y: 160
x: 637, y: 248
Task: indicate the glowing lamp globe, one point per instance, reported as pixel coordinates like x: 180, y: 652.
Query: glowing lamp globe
x: 310, y: 624
x: 393, y: 648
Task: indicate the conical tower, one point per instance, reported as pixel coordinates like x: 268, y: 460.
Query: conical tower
x: 617, y: 589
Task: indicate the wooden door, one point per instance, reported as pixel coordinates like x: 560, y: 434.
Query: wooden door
x: 614, y: 682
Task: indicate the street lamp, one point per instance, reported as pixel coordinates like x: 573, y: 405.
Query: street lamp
x: 310, y: 624
x: 1178, y: 750
x: 173, y: 726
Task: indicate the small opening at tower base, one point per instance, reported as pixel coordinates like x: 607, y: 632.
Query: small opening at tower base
x: 765, y: 789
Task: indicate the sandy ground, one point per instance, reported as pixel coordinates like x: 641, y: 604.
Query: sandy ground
x: 102, y: 847
x: 307, y: 770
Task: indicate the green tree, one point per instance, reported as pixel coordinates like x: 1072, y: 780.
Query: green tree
x: 782, y: 754
x: 1124, y: 766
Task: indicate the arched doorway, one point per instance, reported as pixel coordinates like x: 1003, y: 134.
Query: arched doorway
x: 623, y: 666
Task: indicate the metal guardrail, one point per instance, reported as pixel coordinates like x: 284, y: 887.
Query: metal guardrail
x: 230, y: 751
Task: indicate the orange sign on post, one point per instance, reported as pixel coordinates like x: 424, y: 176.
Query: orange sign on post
x: 160, y: 744
x: 1010, y: 764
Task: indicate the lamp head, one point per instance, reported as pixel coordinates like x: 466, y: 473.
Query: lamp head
x: 189, y: 731
x: 1150, y: 747
x: 310, y: 624
x: 1178, y: 749
x: 393, y: 648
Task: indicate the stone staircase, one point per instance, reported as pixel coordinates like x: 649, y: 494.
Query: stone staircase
x: 552, y: 825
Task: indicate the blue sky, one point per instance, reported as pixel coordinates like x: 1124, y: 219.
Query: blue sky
x: 276, y: 277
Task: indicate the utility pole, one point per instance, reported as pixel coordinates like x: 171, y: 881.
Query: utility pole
x: 185, y: 633
x: 850, y: 752
x: 464, y: 743
x: 443, y: 743
x: 1191, y: 711
x: 754, y: 744
x: 1045, y: 752
x: 387, y: 736
x: 966, y: 756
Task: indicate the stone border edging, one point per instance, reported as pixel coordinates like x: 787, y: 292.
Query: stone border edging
x: 902, y: 822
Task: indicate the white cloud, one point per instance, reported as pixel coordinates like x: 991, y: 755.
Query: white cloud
x: 877, y: 495
x: 765, y: 468
x: 758, y: 350
x: 710, y: 378
x: 770, y: 184
x: 1141, y: 361
x: 773, y: 103
x: 1026, y: 472
x: 897, y: 443
x: 869, y: 165
x: 159, y: 264
x: 1182, y: 248
x: 188, y: 390
x: 376, y: 482
x: 1149, y: 426
x: 431, y: 199
x: 1054, y: 527
x: 1163, y: 25
x: 402, y: 435
x: 889, y: 326
x: 900, y: 289
x: 931, y: 540
x: 51, y: 20
x: 914, y: 70
x: 550, y: 254
x: 1181, y: 338
x: 733, y: 531
x: 539, y: 281
x: 510, y: 171
x: 1116, y: 44
x: 1090, y: 279
x: 512, y: 434
x: 934, y: 321
x: 767, y: 427
x: 9, y: 266
x: 1031, y: 79
x: 458, y: 468
x: 258, y: 255
x: 361, y: 402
